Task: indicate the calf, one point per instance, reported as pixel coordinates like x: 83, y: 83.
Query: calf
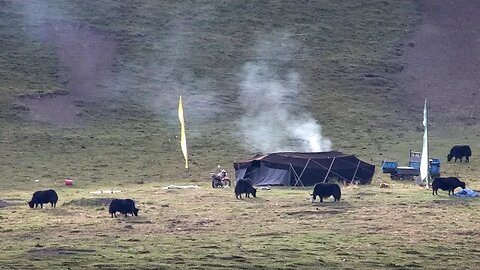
x: 325, y: 190
x: 245, y: 186
x: 460, y: 151
x: 446, y: 183
x: 124, y: 206
x: 44, y: 196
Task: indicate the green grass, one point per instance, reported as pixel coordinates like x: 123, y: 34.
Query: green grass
x: 346, y: 54
x: 370, y: 228
x: 165, y: 47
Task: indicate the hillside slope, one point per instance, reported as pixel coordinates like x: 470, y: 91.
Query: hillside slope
x: 90, y: 89
x: 441, y: 63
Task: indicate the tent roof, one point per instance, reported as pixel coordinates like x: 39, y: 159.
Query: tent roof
x: 299, y: 158
x: 309, y: 166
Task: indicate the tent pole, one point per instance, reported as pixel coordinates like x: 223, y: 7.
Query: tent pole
x: 301, y: 174
x: 355, y: 174
x: 296, y: 175
x: 331, y: 164
x: 337, y: 173
x: 290, y: 173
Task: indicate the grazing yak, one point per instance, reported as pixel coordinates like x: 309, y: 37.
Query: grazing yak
x: 245, y: 186
x: 325, y: 190
x: 460, y: 151
x: 124, y: 206
x: 446, y: 183
x: 44, y: 196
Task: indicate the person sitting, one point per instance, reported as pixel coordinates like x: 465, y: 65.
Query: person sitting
x: 223, y: 174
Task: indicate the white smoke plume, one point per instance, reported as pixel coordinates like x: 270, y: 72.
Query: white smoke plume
x: 273, y: 119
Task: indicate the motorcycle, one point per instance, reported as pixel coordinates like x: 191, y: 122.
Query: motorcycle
x: 220, y: 180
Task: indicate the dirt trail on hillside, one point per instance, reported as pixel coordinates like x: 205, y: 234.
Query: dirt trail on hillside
x: 442, y: 63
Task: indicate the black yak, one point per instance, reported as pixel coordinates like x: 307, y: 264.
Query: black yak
x: 124, y: 206
x: 325, y: 190
x: 446, y: 183
x: 245, y: 186
x: 44, y: 196
x: 460, y: 151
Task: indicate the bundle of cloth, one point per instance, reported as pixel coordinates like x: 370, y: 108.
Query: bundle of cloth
x: 467, y: 193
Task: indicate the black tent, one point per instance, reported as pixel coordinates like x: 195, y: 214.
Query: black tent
x: 303, y: 169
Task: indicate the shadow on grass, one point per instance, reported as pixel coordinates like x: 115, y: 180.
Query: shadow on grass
x: 322, y: 208
x: 59, y: 251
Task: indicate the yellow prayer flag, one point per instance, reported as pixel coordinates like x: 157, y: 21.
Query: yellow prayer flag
x: 183, y: 139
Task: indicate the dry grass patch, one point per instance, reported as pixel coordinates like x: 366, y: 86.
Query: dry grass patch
x: 402, y: 227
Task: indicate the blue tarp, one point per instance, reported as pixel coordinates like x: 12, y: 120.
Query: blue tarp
x: 467, y: 193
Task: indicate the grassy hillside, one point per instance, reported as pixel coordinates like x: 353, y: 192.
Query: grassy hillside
x: 124, y: 65
x: 89, y: 90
